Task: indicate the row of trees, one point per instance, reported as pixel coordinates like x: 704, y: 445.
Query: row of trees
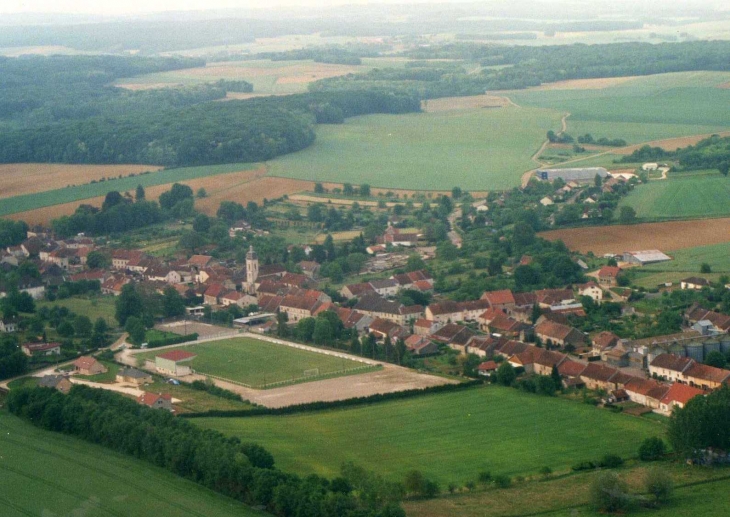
x: 243, y: 471
x: 710, y: 153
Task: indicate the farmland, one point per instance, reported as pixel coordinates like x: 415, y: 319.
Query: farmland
x: 682, y: 196
x: 256, y: 363
x: 672, y: 235
x: 450, y: 437
x: 477, y: 149
x: 643, y: 108
x: 94, y: 308
x: 689, y: 260
x: 47, y: 473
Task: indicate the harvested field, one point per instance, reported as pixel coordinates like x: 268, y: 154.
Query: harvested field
x: 44, y: 215
x: 585, y: 84
x: 724, y: 86
x: 465, y: 103
x: 669, y: 144
x: 28, y: 178
x: 673, y: 235
x: 251, y: 190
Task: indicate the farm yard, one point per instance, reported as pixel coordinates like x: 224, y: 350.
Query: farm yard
x: 476, y: 149
x: 672, y: 235
x: 258, y: 363
x: 449, y: 437
x: 79, y: 478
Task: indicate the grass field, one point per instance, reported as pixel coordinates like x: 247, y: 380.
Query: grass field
x: 689, y: 260
x: 256, y: 363
x: 94, y: 308
x: 643, y: 108
x: 45, y: 473
x: 476, y: 149
x: 69, y: 194
x: 682, y: 196
x: 450, y: 437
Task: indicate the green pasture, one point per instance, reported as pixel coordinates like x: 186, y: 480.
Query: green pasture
x: 642, y: 109
x: 689, y: 260
x: 46, y: 473
x: 256, y: 363
x: 480, y: 149
x: 94, y: 307
x: 681, y: 196
x: 78, y: 192
x: 450, y: 437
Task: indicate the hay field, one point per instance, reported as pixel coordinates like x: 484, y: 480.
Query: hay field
x: 476, y: 149
x: 17, y: 179
x: 465, y: 103
x: 673, y: 235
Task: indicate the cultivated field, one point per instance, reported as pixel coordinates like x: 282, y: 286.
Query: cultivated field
x: 643, y: 108
x: 28, y: 178
x: 688, y: 260
x: 465, y: 103
x: 258, y: 363
x: 682, y: 196
x: 47, y: 473
x: 450, y: 437
x: 477, y: 149
x: 673, y: 235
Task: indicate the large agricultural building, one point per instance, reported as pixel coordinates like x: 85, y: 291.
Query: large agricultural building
x: 579, y: 175
x: 645, y: 257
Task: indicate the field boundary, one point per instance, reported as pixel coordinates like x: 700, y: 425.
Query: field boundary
x: 296, y: 380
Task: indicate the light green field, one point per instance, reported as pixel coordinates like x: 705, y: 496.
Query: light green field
x: 642, y: 109
x: 450, y: 437
x: 258, y: 363
x: 94, y: 308
x: 480, y: 149
x: 689, y: 260
x: 682, y: 196
x: 45, y: 473
x: 16, y: 204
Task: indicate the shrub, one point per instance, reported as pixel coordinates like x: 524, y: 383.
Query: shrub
x: 484, y: 476
x: 610, y: 461
x: 546, y: 471
x: 652, y: 449
x: 583, y: 465
x: 609, y: 494
x: 502, y: 481
x: 658, y: 484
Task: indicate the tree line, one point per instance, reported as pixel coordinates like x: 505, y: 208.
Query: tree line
x: 710, y: 153
x: 243, y: 471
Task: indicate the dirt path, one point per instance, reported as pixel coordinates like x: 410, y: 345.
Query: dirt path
x: 535, y: 157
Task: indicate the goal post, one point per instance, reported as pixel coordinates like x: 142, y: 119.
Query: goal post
x: 311, y: 373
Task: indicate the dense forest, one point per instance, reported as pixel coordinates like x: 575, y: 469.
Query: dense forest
x: 517, y: 67
x: 62, y: 109
x: 710, y: 153
x: 243, y: 471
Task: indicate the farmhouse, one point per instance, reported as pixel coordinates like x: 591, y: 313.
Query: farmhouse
x: 425, y: 327
x: 357, y: 290
x: 719, y: 322
x: 456, y: 311
x: 557, y: 334
x: 578, y: 175
x: 646, y: 392
x: 603, y: 341
x: 455, y: 336
x: 545, y: 360
x: 704, y: 376
x: 487, y: 368
x: 382, y: 329
x: 670, y: 367
x: 499, y: 299
x: 694, y: 283
x: 133, y: 376
x: 607, y: 275
x: 377, y: 307
x: 591, y: 290
x: 353, y: 319
x: 173, y: 362
x: 88, y: 365
x: 31, y: 349
x: 156, y: 400
x: 8, y: 325
x: 300, y: 307
x: 645, y: 257
x: 598, y: 377
x: 678, y: 396
x: 58, y: 382
x: 421, y: 345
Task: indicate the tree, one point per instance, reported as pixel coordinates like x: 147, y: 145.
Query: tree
x: 65, y: 329
x: 101, y: 326
x: 347, y: 189
x: 456, y: 192
x: 111, y: 200
x: 597, y: 181
x: 652, y: 449
x: 323, y: 333
x: 191, y: 241
x: 305, y: 328
x: 230, y: 211
x: 201, y: 223
x: 136, y: 330
x: 609, y: 494
x: 365, y: 190
x: 315, y: 213
x: 415, y: 263
x: 318, y: 188
x: 506, y: 374
x: 703, y: 422
x: 282, y: 330
x: 526, y: 277
x: 658, y: 483
x: 128, y: 303
x: 545, y: 385
x: 627, y: 215
x: 716, y: 359
x: 139, y: 193
x: 201, y: 193
x: 175, y: 195
x: 173, y: 303
x: 705, y: 268
x: 82, y: 325
x: 523, y: 235
x: 97, y: 260
x: 724, y: 168
x: 557, y: 380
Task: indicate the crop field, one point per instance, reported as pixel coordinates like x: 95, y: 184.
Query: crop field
x: 258, y: 363
x: 672, y: 235
x: 22, y: 203
x: 643, y: 108
x: 450, y: 436
x: 47, y: 473
x: 477, y: 149
x: 94, y: 308
x: 682, y: 196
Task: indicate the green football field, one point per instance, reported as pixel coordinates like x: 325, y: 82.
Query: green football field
x: 257, y: 363
x: 477, y: 149
x: 46, y: 473
x: 450, y: 437
x: 644, y: 108
x: 682, y: 196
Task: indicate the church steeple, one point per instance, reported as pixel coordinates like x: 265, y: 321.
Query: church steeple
x: 252, y: 270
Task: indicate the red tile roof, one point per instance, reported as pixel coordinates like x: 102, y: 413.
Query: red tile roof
x: 504, y: 297
x: 571, y: 368
x: 681, y: 393
x: 487, y: 366
x: 150, y: 399
x: 609, y: 272
x: 84, y: 363
x: 177, y: 355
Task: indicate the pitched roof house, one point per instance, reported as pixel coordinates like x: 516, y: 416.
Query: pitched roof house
x: 559, y: 334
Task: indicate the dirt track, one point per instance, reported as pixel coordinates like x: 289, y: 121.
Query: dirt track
x: 673, y: 235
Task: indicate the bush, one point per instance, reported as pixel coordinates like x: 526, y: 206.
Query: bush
x: 484, y: 476
x: 609, y: 494
x: 652, y: 449
x: 658, y: 484
x: 583, y: 465
x: 502, y: 481
x: 610, y: 461
x: 546, y: 471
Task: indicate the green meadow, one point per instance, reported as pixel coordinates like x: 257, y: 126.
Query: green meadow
x: 450, y: 437
x: 256, y: 363
x: 46, y: 473
x: 479, y: 149
x: 78, y: 192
